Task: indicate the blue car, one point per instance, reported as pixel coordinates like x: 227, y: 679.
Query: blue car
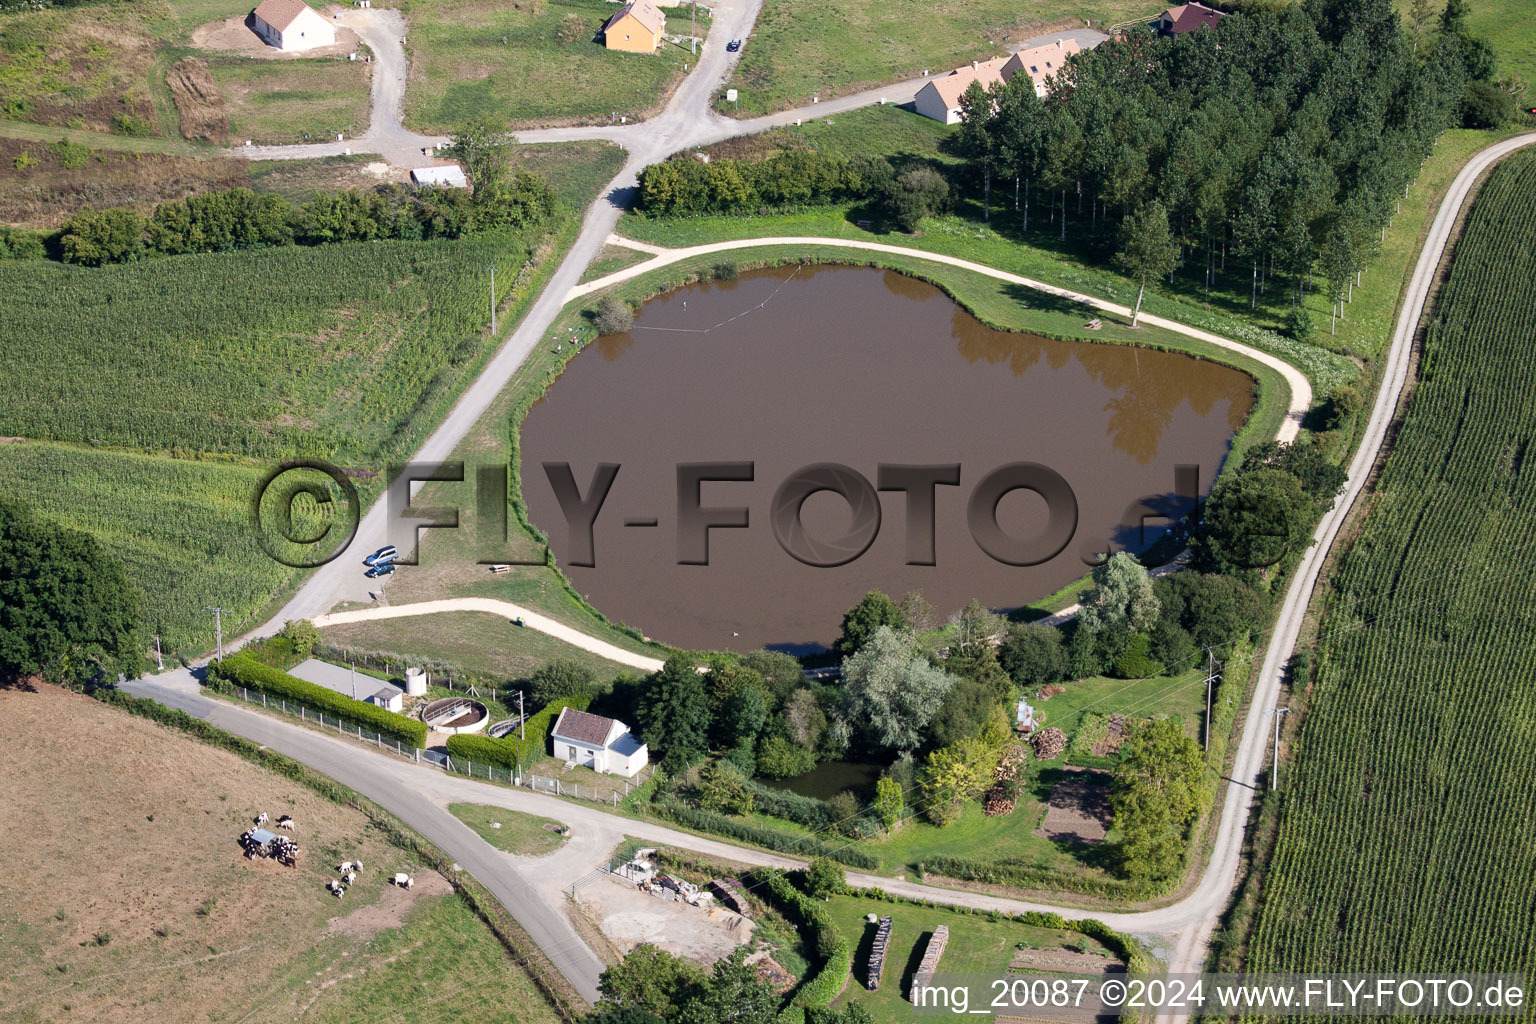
x: 386, y: 553
x: 733, y: 45
x: 379, y: 569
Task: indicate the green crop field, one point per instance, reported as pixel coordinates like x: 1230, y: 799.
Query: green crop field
x: 166, y: 389
x: 531, y: 64
x: 1406, y: 822
x: 802, y: 48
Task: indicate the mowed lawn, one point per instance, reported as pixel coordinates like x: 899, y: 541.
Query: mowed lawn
x: 802, y: 48
x: 536, y: 63
x: 522, y: 835
x: 292, y: 100
x: 977, y: 945
x: 182, y: 926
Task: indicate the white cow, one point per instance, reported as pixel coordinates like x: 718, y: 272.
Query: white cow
x: 351, y: 876
x: 344, y: 867
x: 285, y: 822
x: 262, y: 817
x: 404, y: 881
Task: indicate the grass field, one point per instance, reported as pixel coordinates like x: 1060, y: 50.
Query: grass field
x: 869, y: 131
x: 186, y: 928
x: 292, y: 100
x: 529, y: 65
x: 522, y: 835
x: 1420, y: 720
x: 801, y: 48
x: 577, y: 171
x: 977, y: 946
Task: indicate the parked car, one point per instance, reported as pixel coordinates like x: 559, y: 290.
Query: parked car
x: 386, y: 553
x: 733, y: 45
x: 379, y: 569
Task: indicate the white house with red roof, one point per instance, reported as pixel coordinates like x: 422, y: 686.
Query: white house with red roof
x: 1176, y: 21
x: 292, y: 25
x: 602, y: 744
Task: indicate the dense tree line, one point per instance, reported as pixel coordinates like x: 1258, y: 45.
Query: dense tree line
x: 1281, y: 137
x: 242, y: 219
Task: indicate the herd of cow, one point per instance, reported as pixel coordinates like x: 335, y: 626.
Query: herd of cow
x: 259, y: 842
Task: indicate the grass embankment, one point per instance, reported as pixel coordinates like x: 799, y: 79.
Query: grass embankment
x: 103, y: 937
x: 523, y: 835
x: 532, y: 65
x: 1422, y: 627
x: 802, y: 48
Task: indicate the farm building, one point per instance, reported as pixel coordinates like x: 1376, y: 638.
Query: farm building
x: 292, y: 25
x: 602, y: 744
x: 1176, y: 21
x: 636, y: 27
x: 451, y: 175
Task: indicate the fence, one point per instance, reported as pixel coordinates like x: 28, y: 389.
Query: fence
x: 342, y: 726
x: 460, y: 766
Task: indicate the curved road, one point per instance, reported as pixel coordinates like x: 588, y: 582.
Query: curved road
x: 418, y: 794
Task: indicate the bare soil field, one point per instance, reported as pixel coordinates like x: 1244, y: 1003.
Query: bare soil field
x: 127, y: 895
x: 1079, y: 807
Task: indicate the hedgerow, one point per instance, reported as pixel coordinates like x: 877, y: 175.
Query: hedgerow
x: 512, y: 753
x: 805, y: 846
x: 832, y: 947
x: 242, y: 669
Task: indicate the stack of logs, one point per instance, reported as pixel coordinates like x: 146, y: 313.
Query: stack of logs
x: 930, y: 963
x: 1004, y: 794
x: 877, y: 954
x: 729, y: 891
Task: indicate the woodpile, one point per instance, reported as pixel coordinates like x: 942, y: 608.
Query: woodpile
x: 930, y: 962
x: 729, y: 892
x: 1048, y: 743
x: 1003, y: 797
x: 877, y: 954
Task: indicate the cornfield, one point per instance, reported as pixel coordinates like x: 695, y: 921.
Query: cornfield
x: 1407, y: 837
x: 156, y: 396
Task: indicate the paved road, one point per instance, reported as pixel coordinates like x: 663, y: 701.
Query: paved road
x: 1296, y: 381
x: 417, y: 794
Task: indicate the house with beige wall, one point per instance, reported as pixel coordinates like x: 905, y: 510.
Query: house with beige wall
x: 292, y: 25
x: 637, y: 27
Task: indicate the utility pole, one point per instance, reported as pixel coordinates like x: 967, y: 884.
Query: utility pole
x: 353, y: 667
x: 693, y: 27
x: 1211, y: 676
x: 492, y: 269
x: 218, y: 627
x: 159, y: 661
x: 1274, y: 768
x: 520, y: 734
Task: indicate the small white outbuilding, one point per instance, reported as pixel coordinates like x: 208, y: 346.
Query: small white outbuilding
x: 451, y: 175
x: 602, y: 744
x: 292, y: 25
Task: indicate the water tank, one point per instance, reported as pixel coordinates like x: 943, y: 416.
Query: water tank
x: 415, y: 682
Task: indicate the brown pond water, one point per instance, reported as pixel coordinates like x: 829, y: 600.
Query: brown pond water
x: 793, y: 366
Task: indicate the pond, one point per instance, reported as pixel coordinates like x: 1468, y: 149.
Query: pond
x: 785, y: 368
x: 830, y: 778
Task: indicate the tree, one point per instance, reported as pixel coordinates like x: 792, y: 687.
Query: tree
x: 1306, y: 460
x: 722, y: 789
x: 560, y: 678
x: 1033, y: 655
x: 67, y: 608
x: 825, y: 877
x: 1252, y: 520
x: 613, y: 316
x: 731, y: 994
x: 778, y: 758
x: 975, y: 139
x: 94, y: 238
x: 861, y: 621
x: 301, y: 637
x: 1211, y: 609
x: 953, y: 775
x: 1485, y: 105
x: 915, y: 194
x: 888, y: 801
x: 780, y: 672
x: 1147, y: 251
x: 743, y: 713
x: 1122, y: 599
x: 804, y: 720
x: 651, y: 980
x: 482, y: 149
x: 891, y: 693
x: 1156, y: 794
x: 674, y: 717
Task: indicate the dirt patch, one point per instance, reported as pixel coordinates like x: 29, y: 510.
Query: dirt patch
x: 629, y: 917
x: 1064, y: 960
x: 770, y: 972
x: 1115, y: 731
x: 1078, y: 810
x: 390, y: 910
x: 238, y: 35
x: 198, y: 102
x: 58, y: 180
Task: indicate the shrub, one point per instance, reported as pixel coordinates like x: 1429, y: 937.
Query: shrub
x: 721, y: 788
x: 479, y: 749
x: 614, y: 316
x: 825, y: 877
x: 70, y: 155
x: 1485, y: 105
x: 1297, y: 324
x: 834, y: 950
x: 127, y: 124
x: 1135, y: 660
x: 778, y: 758
x: 243, y: 670
x: 560, y: 678
x: 783, y: 842
x: 742, y: 758
x: 843, y: 810
x: 20, y: 244
x: 726, y: 271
